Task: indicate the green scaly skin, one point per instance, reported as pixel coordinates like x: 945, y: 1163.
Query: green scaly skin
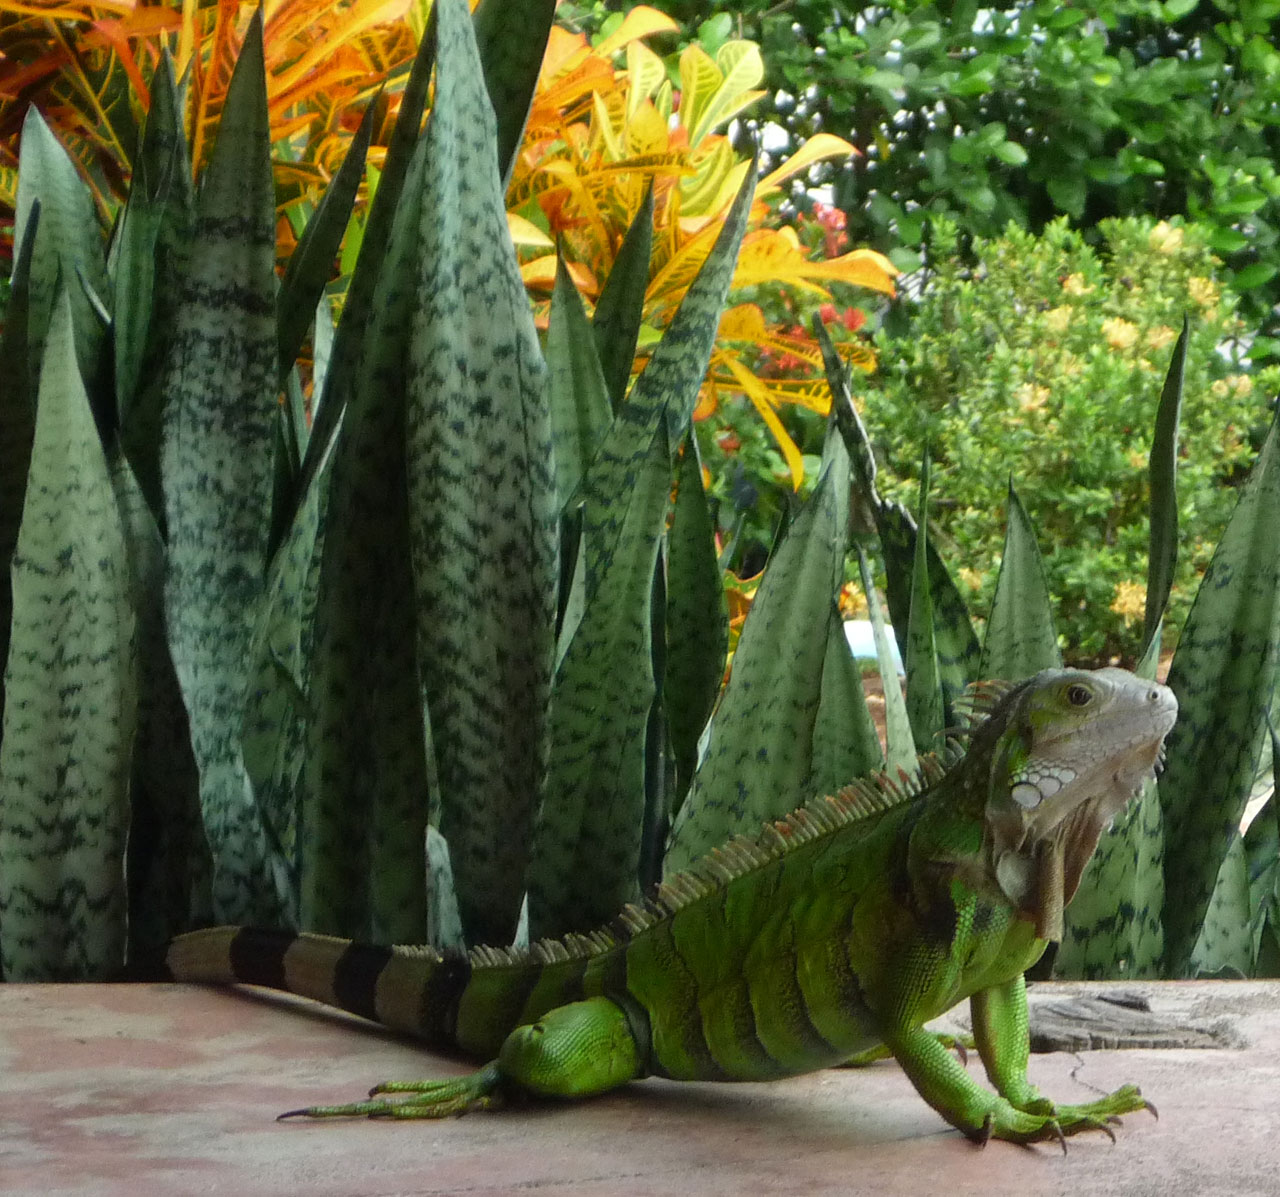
x: 842, y: 929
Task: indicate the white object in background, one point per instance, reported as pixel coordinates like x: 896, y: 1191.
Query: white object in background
x: 862, y: 642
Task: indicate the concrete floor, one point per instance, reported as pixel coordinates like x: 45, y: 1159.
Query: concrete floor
x: 167, y: 1089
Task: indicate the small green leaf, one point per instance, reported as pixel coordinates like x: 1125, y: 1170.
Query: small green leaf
x: 697, y: 623
x: 1162, y: 556
x: 512, y: 38
x: 1020, y: 636
x: 759, y: 754
x: 924, y: 682
x: 576, y: 391
x: 620, y: 309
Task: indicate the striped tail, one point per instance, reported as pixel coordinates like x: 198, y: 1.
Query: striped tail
x: 410, y: 989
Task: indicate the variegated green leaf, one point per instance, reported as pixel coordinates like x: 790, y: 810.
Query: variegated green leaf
x: 358, y: 310
x: 845, y: 743
x: 900, y: 749
x: 481, y: 498
x: 512, y: 38
x: 1162, y: 556
x: 1020, y: 636
x: 955, y: 644
x: 67, y: 244
x: 925, y: 703
x: 697, y: 619
x: 18, y: 378
x: 1262, y: 853
x: 620, y: 308
x: 1223, y: 674
x: 152, y: 236
x: 587, y: 841
x: 216, y: 475
x: 72, y: 697
x: 577, y: 396
x: 759, y: 756
x: 311, y: 263
x: 1225, y: 943
x: 169, y: 868
x: 1112, y: 925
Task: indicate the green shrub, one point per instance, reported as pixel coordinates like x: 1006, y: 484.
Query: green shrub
x: 1045, y: 362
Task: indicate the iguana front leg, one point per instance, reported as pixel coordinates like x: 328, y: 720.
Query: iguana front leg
x: 1000, y: 1030
x: 576, y: 1050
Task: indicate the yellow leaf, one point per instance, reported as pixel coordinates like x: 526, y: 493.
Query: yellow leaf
x: 819, y: 147
x: 541, y: 272
x: 758, y: 393
x: 699, y: 191
x: 647, y: 132
x: 525, y: 232
x: 641, y: 21
x: 741, y: 68
x: 742, y: 322
x: 700, y: 79
x: 603, y: 125
x: 645, y: 74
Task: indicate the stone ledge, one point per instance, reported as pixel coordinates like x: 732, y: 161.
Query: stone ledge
x: 169, y: 1089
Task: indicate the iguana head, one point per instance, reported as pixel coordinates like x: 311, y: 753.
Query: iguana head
x: 1073, y: 747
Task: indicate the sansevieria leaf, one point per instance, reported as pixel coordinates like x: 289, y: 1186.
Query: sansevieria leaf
x: 216, y: 475
x: 598, y: 749
x: 1223, y: 674
x: 759, y: 756
x: 482, y: 498
x: 68, y: 243
x: 71, y: 698
x: 1020, y: 637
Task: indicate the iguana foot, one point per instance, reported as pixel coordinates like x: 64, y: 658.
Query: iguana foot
x: 480, y: 1090
x: 1042, y: 1120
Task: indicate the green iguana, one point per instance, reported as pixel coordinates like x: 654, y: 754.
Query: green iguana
x: 849, y: 924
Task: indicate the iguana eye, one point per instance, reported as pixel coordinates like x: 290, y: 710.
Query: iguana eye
x: 1078, y: 695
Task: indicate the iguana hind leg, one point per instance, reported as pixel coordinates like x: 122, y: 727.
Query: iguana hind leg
x: 1000, y: 1030
x: 576, y: 1050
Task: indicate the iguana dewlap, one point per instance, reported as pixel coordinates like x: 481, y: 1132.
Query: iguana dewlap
x: 851, y: 923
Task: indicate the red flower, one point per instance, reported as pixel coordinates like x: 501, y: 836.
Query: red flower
x: 853, y: 319
x: 729, y: 441
x: 827, y: 312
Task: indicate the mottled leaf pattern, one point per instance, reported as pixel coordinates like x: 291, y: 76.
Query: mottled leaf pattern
x: 216, y: 474
x: 1113, y: 925
x: 169, y: 868
x: 18, y: 378
x: 70, y: 682
x: 1020, y: 639
x: 759, y: 755
x: 586, y: 848
x: 153, y: 232
x: 576, y: 392
x: 900, y: 749
x: 68, y: 242
x: 363, y: 791
x: 955, y: 644
x: 1224, y: 946
x: 1162, y: 557
x: 697, y: 619
x: 925, y: 703
x: 512, y: 37
x: 845, y: 743
x: 616, y: 321
x: 1223, y: 674
x: 481, y: 498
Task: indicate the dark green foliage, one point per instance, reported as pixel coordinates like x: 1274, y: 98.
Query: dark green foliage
x: 1049, y: 345
x: 1027, y: 112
